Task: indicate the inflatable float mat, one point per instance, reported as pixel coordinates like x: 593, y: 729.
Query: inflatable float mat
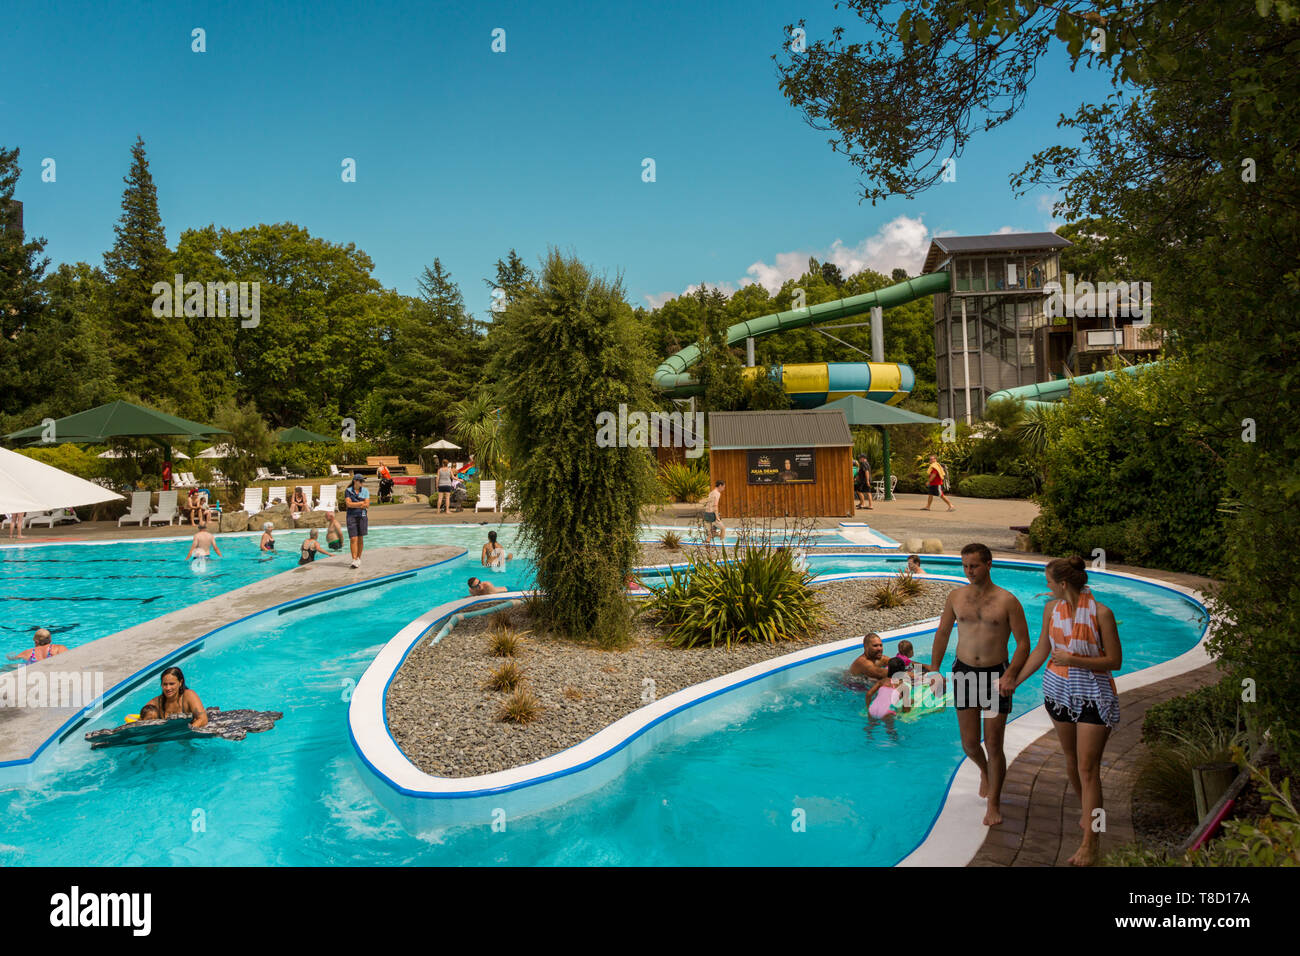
x: 227, y: 724
x: 927, y: 705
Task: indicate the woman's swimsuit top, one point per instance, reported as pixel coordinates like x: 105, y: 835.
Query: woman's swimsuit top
x: 307, y: 555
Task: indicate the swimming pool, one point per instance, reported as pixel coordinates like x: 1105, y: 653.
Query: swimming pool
x: 82, y: 592
x: 725, y: 789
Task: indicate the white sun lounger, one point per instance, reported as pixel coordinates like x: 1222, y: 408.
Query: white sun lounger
x: 487, y: 496
x: 53, y: 517
x: 140, y: 509
x: 166, y: 508
x: 329, y: 497
x: 277, y: 491
x: 252, y: 500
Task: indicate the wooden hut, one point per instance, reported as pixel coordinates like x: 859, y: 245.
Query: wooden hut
x: 782, y: 464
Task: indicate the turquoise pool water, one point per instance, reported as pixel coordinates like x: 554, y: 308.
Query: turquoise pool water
x: 724, y: 791
x: 84, y: 592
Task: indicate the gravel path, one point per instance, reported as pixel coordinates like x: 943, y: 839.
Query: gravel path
x: 446, y: 723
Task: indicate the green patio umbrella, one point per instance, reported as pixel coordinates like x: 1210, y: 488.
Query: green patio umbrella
x: 296, y: 434
x: 862, y: 411
x: 104, y: 424
x: 114, y: 420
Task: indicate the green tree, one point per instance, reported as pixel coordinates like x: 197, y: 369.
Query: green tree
x: 250, y: 439
x: 21, y: 303
x: 514, y: 280
x: 476, y: 425
x: 571, y: 350
x: 429, y: 370
x: 151, y: 352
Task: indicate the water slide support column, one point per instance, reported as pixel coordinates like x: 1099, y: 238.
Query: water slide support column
x: 878, y: 355
x: 965, y: 358
x: 749, y: 352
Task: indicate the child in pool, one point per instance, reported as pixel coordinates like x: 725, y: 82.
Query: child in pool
x: 887, y: 691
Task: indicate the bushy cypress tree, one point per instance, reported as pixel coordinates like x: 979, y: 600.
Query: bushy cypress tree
x: 571, y: 349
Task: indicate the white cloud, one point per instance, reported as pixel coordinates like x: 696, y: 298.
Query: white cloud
x: 1009, y: 230
x: 902, y: 242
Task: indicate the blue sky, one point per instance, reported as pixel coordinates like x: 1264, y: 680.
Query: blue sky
x: 462, y: 153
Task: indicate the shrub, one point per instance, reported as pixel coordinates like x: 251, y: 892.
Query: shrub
x: 684, y: 483
x: 504, y: 642
x: 506, y: 677
x: 521, y: 707
x: 752, y: 593
x: 887, y: 593
x: 671, y: 540
x: 1165, y: 771
x: 995, y: 486
x: 1217, y: 705
x: 572, y: 693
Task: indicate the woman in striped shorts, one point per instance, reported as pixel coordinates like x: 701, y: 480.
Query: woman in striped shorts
x: 1081, y: 640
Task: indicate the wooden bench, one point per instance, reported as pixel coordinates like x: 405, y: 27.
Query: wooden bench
x: 395, y: 466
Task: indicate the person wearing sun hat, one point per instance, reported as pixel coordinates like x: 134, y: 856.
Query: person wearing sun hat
x: 357, y: 500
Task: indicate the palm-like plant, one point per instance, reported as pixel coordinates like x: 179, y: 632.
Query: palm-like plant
x: 476, y: 422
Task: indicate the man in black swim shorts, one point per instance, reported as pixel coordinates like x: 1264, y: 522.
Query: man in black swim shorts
x: 986, y: 617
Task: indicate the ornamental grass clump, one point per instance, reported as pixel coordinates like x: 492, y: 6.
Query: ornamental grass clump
x: 671, y: 540
x: 505, y: 678
x: 751, y: 593
x: 683, y: 483
x: 909, y: 585
x: 886, y: 594
x: 521, y: 707
x: 504, y: 641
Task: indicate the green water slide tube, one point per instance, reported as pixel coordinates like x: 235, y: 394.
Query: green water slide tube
x: 674, y: 378
x: 1045, y: 393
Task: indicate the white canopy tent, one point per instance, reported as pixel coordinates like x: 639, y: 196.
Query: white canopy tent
x: 441, y: 444
x: 29, y: 485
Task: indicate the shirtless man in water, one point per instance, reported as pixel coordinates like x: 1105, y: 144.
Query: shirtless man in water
x: 872, y: 661
x: 203, y: 540
x: 986, y: 617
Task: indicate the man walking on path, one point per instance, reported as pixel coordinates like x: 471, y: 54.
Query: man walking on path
x: 986, y: 617
x: 934, y: 480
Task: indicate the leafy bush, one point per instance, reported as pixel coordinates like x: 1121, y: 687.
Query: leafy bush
x: 521, y: 707
x: 314, y: 460
x: 684, y: 483
x: 750, y: 593
x: 1126, y: 473
x: 1217, y: 705
x: 69, y: 458
x: 1165, y: 771
x: 995, y: 486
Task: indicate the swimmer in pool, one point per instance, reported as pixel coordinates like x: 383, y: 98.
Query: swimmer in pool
x: 494, y: 556
x: 333, y: 533
x: 268, y: 539
x: 478, y: 588
x: 889, y: 690
x: 311, y: 549
x: 913, y: 564
x: 176, y: 698
x: 41, y: 649
x: 203, y: 540
x: 871, y: 662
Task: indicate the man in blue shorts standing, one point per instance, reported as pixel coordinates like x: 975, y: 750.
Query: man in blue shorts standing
x: 357, y: 500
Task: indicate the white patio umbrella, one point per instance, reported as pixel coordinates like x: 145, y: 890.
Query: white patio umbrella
x: 218, y: 451
x: 29, y: 485
x: 441, y: 444
x: 114, y: 453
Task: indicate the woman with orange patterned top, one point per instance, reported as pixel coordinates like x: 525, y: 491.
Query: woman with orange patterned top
x: 1081, y: 639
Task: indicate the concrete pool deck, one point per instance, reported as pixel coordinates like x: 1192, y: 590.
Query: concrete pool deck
x: 119, y: 660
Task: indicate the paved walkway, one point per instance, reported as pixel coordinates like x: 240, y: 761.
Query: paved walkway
x: 1040, y: 811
